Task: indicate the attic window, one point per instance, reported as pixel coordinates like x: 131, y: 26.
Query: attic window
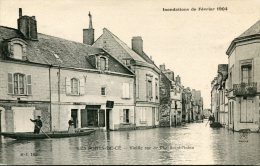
x: 17, y: 49
x: 102, y: 63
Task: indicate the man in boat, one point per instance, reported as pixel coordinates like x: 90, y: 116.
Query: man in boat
x: 37, y: 125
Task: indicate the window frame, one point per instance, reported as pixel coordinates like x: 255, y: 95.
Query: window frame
x: 105, y: 91
x: 17, y: 81
x: 126, y: 115
x: 17, y: 41
x: 72, y: 83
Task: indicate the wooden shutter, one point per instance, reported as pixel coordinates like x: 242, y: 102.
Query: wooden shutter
x: 121, y: 115
x: 131, y: 116
x: 127, y: 91
x: 29, y: 84
x: 123, y: 90
x: 82, y: 86
x: 10, y: 83
x: 124, y: 115
x: 68, y: 86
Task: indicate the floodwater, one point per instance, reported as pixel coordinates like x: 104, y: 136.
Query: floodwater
x: 193, y: 143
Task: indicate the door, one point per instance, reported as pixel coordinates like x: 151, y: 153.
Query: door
x: 84, y: 122
x: 92, y: 117
x: 74, y: 115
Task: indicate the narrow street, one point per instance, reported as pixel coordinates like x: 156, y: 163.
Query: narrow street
x: 194, y: 143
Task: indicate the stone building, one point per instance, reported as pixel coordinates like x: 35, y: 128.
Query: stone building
x: 175, y: 96
x: 197, y: 105
x: 165, y: 101
x: 244, y: 80
x: 59, y: 79
x: 147, y: 76
x: 187, y: 114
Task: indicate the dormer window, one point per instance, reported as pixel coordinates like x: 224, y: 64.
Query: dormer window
x: 102, y: 63
x: 17, y: 49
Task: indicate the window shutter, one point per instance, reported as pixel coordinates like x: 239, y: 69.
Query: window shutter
x: 124, y: 116
x: 10, y: 83
x: 121, y: 115
x: 29, y: 84
x: 127, y: 89
x: 82, y: 86
x: 131, y: 118
x: 123, y: 90
x: 68, y: 86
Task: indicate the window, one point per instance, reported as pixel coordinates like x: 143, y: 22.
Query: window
x: 156, y: 91
x: 102, y: 63
x: 149, y: 89
x: 246, y: 73
x: 127, y: 62
x: 126, y: 116
x: 18, y: 51
x: 19, y: 85
x: 126, y: 90
x: 103, y: 91
x: 74, y: 86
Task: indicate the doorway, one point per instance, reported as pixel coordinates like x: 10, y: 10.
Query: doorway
x: 92, y: 117
x: 84, y: 122
x: 74, y: 115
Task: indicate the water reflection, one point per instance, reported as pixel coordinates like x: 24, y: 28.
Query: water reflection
x: 193, y: 144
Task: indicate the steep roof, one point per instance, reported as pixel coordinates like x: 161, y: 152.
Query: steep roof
x: 111, y: 42
x: 131, y: 53
x: 254, y: 29
x: 251, y: 33
x: 57, y: 51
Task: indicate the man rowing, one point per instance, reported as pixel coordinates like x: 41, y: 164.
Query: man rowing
x: 37, y: 125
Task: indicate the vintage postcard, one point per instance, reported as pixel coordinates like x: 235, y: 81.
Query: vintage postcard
x: 133, y: 82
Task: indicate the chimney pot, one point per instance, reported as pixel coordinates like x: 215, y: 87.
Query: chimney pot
x: 20, y: 12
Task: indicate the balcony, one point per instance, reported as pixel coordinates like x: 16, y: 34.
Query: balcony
x: 245, y: 89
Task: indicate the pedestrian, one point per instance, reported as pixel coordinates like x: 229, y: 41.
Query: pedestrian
x: 37, y: 125
x: 213, y: 118
x: 71, y: 128
x: 210, y: 119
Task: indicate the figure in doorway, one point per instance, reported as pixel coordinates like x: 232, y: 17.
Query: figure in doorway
x: 71, y: 128
x: 37, y: 125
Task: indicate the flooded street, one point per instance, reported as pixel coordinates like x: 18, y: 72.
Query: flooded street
x: 194, y: 143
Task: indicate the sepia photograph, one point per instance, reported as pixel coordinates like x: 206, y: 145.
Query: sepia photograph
x: 130, y: 82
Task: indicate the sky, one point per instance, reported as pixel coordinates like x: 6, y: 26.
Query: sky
x: 191, y: 43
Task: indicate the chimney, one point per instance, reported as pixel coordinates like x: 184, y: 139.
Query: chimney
x: 162, y: 67
x: 27, y: 26
x: 20, y: 12
x: 178, y: 79
x: 137, y: 44
x: 88, y: 34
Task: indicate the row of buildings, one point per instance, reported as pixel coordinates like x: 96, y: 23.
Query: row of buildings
x: 99, y: 83
x: 236, y: 88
